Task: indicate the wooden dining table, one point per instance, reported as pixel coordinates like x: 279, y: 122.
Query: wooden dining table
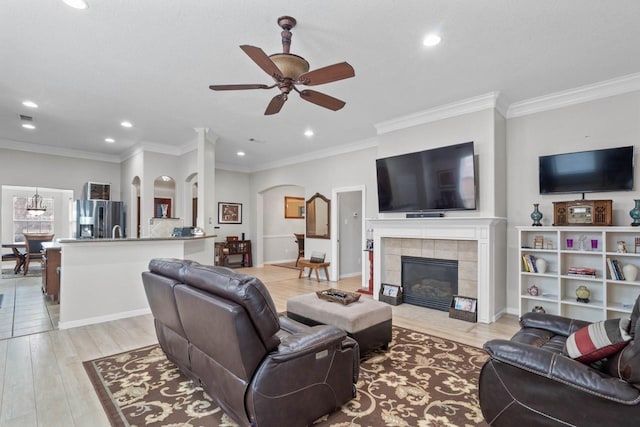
x: 19, y: 256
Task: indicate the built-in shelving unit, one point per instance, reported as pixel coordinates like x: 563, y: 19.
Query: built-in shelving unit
x: 565, y: 247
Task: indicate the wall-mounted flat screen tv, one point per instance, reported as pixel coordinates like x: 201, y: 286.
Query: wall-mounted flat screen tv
x: 609, y: 169
x: 431, y: 180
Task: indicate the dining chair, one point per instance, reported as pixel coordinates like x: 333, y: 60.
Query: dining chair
x: 33, y: 244
x: 300, y: 242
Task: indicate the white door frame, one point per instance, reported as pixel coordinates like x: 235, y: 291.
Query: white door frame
x: 334, y: 270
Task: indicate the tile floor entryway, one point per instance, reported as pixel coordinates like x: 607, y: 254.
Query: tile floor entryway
x: 24, y: 309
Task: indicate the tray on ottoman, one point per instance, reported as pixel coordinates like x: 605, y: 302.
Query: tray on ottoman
x: 336, y: 295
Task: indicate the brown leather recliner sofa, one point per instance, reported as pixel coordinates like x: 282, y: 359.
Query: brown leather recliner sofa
x: 222, y: 330
x: 529, y: 381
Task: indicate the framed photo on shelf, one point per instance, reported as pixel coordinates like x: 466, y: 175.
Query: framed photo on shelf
x: 229, y: 213
x: 465, y: 304
x: 390, y: 290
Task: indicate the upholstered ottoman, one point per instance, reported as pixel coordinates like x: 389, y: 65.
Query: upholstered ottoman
x: 367, y: 321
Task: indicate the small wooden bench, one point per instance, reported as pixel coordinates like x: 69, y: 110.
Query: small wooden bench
x: 313, y: 266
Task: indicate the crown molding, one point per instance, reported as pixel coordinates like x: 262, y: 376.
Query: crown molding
x: 232, y: 168
x: 315, y: 155
x: 458, y: 108
x: 604, y: 89
x: 57, y: 151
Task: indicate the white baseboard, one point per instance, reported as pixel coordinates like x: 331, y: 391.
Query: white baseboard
x: 344, y: 276
x: 101, y: 319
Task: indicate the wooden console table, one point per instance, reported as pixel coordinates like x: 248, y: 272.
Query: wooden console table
x: 225, y: 251
x: 313, y: 266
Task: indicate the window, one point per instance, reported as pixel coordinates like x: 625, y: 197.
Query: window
x: 24, y: 222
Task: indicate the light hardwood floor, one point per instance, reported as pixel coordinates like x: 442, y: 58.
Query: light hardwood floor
x: 43, y: 382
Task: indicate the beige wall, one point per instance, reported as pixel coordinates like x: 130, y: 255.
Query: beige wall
x: 603, y: 123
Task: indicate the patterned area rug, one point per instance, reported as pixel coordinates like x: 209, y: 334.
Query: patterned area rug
x: 421, y: 381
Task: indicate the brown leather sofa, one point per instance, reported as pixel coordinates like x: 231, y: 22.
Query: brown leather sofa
x: 528, y: 381
x: 222, y: 330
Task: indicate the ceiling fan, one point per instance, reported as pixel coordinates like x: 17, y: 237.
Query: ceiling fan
x: 289, y: 70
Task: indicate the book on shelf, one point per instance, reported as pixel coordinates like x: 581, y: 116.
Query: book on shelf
x: 581, y: 271
x: 529, y: 263
x: 612, y: 271
x: 618, y: 267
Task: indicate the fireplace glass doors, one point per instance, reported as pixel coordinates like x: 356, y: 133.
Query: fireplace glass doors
x: 429, y: 282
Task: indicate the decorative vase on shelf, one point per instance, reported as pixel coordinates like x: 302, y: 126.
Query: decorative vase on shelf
x: 630, y: 272
x: 635, y: 213
x: 541, y: 265
x: 536, y: 216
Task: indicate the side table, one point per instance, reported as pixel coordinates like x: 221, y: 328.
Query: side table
x: 313, y: 266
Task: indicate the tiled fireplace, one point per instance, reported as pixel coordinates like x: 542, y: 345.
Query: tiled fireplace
x: 477, y: 244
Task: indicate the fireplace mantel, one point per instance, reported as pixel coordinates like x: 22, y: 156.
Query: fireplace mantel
x: 490, y: 233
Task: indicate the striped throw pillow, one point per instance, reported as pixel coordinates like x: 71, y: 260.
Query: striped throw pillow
x: 598, y: 340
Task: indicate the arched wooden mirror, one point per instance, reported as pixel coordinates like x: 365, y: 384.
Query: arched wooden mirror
x: 318, y: 214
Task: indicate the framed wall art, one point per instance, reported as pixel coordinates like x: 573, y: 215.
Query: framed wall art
x: 229, y: 213
x: 293, y: 207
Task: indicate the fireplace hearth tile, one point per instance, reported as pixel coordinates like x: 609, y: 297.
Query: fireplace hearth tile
x: 468, y: 250
x: 446, y: 249
x: 468, y: 288
x: 467, y: 270
x: 413, y: 245
x: 428, y: 248
x: 392, y: 262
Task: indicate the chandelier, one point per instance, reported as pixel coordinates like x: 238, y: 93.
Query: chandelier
x: 35, y: 205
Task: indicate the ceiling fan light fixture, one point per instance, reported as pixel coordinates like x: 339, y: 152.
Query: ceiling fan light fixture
x: 292, y: 66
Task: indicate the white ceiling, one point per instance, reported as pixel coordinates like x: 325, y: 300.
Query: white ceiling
x: 151, y: 61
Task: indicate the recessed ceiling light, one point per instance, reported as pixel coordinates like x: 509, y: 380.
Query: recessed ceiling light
x: 28, y: 126
x: 240, y: 153
x: 308, y: 133
x: 30, y: 104
x: 126, y: 124
x: 109, y: 140
x: 431, y: 40
x: 76, y: 4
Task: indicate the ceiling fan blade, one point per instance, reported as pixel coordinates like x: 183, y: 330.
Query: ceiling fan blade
x: 238, y: 87
x: 322, y: 100
x: 259, y: 57
x: 327, y: 74
x: 275, y: 105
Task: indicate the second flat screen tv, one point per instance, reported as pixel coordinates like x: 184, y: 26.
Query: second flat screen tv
x: 609, y: 169
x: 431, y: 180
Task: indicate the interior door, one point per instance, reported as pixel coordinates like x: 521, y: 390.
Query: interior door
x: 349, y: 233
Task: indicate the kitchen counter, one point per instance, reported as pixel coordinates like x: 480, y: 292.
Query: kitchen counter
x: 101, y: 280
x: 133, y: 239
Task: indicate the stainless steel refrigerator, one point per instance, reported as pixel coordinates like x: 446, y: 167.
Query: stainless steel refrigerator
x: 99, y: 219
